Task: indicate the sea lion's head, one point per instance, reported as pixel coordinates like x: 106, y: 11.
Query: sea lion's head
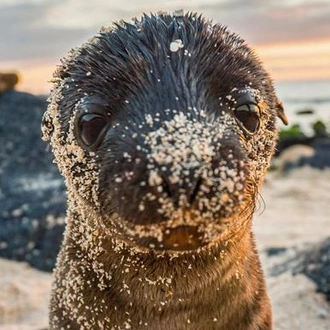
x: 165, y: 128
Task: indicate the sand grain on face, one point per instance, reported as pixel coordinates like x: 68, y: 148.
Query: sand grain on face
x: 176, y: 45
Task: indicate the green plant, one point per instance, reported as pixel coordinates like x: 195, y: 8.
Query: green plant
x: 293, y: 131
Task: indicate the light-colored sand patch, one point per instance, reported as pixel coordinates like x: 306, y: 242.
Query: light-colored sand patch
x: 24, y: 296
x: 296, y: 209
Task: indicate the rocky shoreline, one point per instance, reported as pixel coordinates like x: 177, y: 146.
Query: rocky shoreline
x: 32, y: 194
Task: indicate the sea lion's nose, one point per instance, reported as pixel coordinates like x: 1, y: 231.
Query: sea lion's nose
x: 180, y: 175
x: 183, y: 188
x: 179, y: 161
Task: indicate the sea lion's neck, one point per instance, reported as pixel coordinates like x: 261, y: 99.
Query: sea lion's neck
x: 184, y: 287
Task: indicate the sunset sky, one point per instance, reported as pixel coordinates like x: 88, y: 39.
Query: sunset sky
x: 292, y: 37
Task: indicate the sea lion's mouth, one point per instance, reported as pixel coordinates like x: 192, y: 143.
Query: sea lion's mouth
x: 181, y: 238
x: 187, y: 232
x: 184, y: 232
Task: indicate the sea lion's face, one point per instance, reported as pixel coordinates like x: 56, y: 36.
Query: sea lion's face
x: 165, y: 128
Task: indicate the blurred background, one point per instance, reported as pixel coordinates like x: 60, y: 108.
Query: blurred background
x: 292, y: 38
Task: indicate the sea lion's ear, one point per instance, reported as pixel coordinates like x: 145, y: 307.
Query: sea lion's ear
x: 280, y: 112
x: 47, y: 127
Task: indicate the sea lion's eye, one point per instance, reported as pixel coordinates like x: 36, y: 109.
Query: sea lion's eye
x: 248, y: 117
x: 91, y: 128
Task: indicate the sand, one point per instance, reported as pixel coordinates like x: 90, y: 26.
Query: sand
x: 293, y: 213
x: 24, y: 296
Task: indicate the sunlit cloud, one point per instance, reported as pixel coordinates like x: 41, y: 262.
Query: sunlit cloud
x: 296, y: 61
x: 72, y: 13
x: 308, y: 49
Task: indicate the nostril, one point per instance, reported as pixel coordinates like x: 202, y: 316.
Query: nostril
x: 194, y: 191
x: 175, y: 190
x: 167, y: 188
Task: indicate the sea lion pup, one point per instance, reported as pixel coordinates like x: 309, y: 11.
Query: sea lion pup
x: 163, y: 130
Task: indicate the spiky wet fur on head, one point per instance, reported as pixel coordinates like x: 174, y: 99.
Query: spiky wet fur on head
x: 169, y: 86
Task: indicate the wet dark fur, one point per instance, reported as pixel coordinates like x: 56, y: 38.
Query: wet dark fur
x: 209, y: 290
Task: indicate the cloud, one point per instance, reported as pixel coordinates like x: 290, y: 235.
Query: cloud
x: 46, y: 29
x: 101, y: 12
x: 25, y: 37
x: 267, y: 22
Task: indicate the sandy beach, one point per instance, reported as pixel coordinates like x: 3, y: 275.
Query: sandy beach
x: 292, y: 214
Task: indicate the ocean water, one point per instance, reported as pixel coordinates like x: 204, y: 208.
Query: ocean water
x: 303, y: 95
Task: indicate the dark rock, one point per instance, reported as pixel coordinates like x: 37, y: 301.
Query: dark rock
x: 32, y: 194
x: 316, y: 266
x: 274, y: 251
x: 313, y: 261
x: 306, y: 111
x: 321, y: 158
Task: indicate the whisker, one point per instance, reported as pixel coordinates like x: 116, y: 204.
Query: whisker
x: 260, y: 203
